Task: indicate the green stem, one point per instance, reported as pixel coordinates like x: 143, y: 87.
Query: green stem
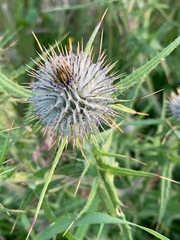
x: 44, y: 190
x: 109, y: 194
x: 109, y: 183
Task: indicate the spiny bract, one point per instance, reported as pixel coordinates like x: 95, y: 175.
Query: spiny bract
x: 72, y: 95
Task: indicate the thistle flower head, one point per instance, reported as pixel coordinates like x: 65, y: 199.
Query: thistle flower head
x: 72, y: 94
x: 175, y: 104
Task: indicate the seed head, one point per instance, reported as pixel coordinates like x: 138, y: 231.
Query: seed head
x: 175, y: 104
x: 72, y: 94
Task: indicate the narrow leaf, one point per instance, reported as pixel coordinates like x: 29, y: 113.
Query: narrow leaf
x: 165, y: 189
x: 142, y: 72
x: 120, y: 107
x: 118, y: 171
x: 90, y: 200
x: 91, y: 218
x: 4, y: 150
x: 13, y: 88
x: 115, y: 155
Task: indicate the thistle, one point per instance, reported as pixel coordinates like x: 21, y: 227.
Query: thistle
x: 175, y: 104
x: 73, y: 95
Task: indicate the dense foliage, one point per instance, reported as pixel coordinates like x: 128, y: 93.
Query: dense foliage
x: 121, y: 193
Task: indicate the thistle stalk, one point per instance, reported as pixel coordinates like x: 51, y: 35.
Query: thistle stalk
x: 48, y: 179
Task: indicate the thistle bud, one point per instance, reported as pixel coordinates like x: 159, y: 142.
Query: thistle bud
x: 72, y: 94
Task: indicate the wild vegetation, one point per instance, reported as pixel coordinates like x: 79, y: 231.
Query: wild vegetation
x: 121, y: 183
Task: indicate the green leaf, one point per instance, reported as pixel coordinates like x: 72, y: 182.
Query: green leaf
x: 91, y: 197
x: 92, y: 218
x: 13, y: 88
x: 5, y: 170
x: 6, y: 39
x: 120, y: 107
x: 90, y: 200
x: 142, y: 72
x: 118, y: 171
x: 70, y: 236
x: 165, y: 189
x: 115, y: 155
x: 4, y: 150
x: 144, y: 122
